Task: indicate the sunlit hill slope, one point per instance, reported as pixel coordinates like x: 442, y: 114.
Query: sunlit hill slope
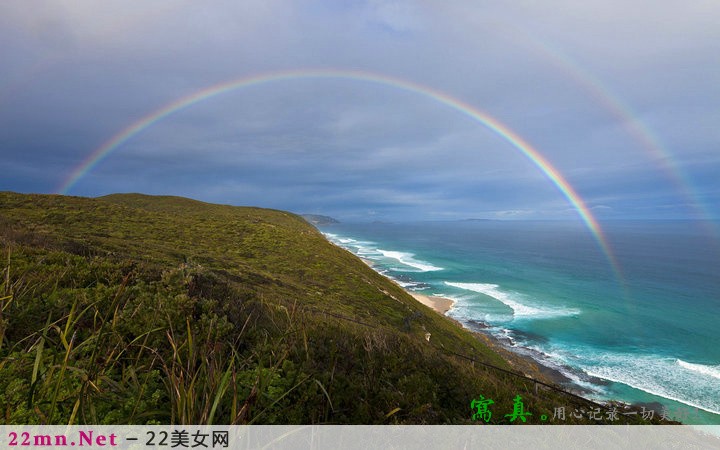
x: 140, y: 309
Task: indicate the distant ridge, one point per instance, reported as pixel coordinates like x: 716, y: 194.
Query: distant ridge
x: 317, y: 219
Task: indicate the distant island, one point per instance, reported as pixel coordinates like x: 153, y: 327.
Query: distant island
x: 136, y: 309
x: 319, y: 220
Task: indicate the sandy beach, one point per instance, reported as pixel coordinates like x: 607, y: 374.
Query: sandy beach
x: 440, y: 304
x: 521, y: 363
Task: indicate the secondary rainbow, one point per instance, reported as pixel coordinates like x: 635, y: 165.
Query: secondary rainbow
x: 620, y: 110
x: 483, y: 118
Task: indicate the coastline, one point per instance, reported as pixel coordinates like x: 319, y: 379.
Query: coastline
x: 522, y: 363
x: 441, y: 305
x: 526, y: 361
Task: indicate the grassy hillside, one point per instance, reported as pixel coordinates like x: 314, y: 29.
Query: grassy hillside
x: 139, y: 309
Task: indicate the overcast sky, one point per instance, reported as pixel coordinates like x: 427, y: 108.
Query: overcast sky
x: 621, y: 97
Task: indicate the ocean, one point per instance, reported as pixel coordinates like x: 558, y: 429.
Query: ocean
x: 646, y: 334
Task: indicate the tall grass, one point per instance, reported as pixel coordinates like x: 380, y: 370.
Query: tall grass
x: 83, y: 362
x: 198, y: 376
x: 6, y: 297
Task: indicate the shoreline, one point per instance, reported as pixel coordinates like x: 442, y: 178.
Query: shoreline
x: 522, y: 363
x: 516, y: 356
x: 437, y: 303
x: 441, y: 305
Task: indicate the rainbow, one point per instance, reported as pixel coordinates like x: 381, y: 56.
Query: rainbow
x: 620, y: 110
x: 483, y: 118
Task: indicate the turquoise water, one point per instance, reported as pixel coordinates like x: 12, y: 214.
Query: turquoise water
x: 547, y: 290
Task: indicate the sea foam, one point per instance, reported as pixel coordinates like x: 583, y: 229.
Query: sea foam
x: 712, y: 371
x: 409, y: 260
x: 360, y: 248
x: 510, y: 299
x: 369, y: 250
x: 658, y: 375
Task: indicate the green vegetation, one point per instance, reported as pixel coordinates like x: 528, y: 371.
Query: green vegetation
x: 132, y: 309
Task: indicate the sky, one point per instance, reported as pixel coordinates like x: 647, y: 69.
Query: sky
x: 369, y: 110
